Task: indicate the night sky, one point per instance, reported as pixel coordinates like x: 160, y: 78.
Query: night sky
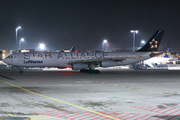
x: 86, y: 23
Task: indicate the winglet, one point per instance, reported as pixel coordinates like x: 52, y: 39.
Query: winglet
x: 153, y: 43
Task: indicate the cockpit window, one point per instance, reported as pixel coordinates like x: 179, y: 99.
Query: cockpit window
x: 10, y: 56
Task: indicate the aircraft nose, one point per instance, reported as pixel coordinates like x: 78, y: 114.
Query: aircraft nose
x: 5, y: 60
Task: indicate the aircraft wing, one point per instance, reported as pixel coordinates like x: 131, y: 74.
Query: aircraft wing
x: 119, y: 59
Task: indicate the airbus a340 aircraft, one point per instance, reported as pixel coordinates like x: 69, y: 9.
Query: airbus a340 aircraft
x: 85, y: 61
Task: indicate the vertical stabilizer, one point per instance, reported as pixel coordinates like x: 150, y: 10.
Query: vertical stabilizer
x: 167, y: 53
x: 72, y: 49
x: 153, y: 43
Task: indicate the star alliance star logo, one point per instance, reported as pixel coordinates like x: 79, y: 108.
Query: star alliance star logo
x: 153, y: 43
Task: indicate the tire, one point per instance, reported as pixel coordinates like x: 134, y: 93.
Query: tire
x: 21, y: 71
x: 92, y: 71
x: 97, y: 71
x: 82, y: 70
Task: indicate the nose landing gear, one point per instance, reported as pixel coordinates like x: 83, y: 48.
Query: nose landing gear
x: 21, y: 71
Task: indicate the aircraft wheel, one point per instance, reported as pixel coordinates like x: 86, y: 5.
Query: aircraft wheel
x: 92, y: 71
x: 97, y: 71
x: 21, y: 71
x: 87, y: 71
x: 82, y: 70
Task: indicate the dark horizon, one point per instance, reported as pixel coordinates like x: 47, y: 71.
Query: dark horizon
x: 85, y: 24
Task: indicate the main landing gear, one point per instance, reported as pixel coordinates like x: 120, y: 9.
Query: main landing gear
x: 90, y: 71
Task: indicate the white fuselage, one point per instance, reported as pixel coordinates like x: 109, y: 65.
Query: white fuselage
x: 63, y: 59
x: 157, y: 60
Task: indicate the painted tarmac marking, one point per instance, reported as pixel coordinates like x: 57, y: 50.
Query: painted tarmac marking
x: 11, y: 115
x: 132, y: 88
x: 166, y: 112
x: 81, y: 115
x: 41, y: 117
x: 149, y: 91
x: 72, y: 115
x: 60, y: 101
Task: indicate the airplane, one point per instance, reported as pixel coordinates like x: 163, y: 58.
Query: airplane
x: 85, y: 61
x: 154, y: 61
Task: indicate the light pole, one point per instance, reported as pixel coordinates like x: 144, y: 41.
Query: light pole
x: 19, y: 27
x: 103, y: 44
x: 134, y: 32
x: 22, y: 39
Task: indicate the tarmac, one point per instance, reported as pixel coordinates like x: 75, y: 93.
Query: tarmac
x: 114, y: 94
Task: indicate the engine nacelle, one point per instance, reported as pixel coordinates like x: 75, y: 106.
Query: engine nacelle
x: 79, y: 66
x: 108, y: 63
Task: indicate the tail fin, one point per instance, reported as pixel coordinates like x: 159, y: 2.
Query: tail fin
x: 168, y: 50
x: 72, y: 49
x: 153, y: 43
x: 167, y: 53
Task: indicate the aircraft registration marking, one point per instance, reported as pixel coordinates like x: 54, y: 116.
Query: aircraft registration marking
x: 60, y: 101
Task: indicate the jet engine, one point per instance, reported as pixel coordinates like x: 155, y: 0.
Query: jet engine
x: 79, y: 66
x: 108, y: 63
